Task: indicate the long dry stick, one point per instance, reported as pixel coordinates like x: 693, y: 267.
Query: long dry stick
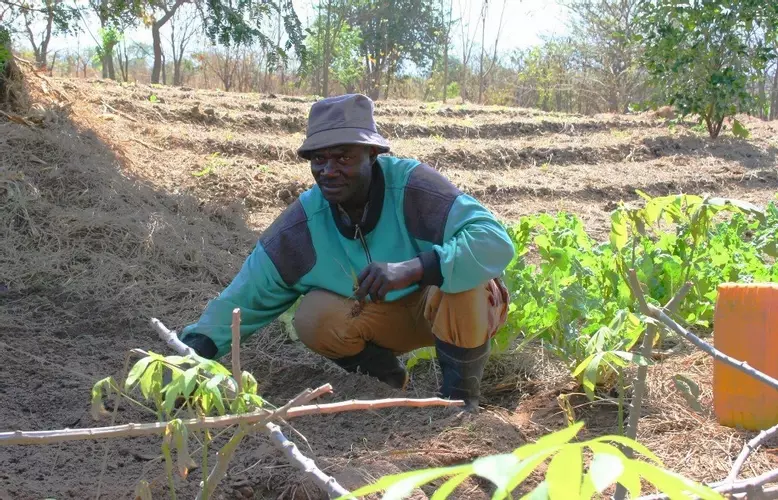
x: 729, y: 485
x: 639, y: 385
x: 228, y: 450
x: 660, y: 316
x: 328, y: 484
x: 755, y: 487
x: 747, y: 450
x: 236, y: 349
x: 305, y: 464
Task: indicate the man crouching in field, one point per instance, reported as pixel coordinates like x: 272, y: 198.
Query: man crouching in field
x: 427, y: 259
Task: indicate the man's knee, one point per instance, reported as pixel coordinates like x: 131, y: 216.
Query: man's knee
x: 469, y: 318
x: 321, y: 323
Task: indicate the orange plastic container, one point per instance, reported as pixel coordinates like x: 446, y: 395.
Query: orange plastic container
x: 745, y: 327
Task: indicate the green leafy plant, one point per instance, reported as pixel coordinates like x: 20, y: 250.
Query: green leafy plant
x: 575, y: 298
x: 566, y: 476
x: 177, y: 386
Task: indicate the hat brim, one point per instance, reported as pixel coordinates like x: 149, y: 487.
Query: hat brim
x: 341, y: 137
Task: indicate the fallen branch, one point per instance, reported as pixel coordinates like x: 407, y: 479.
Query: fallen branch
x: 170, y: 338
x: 236, y: 373
x: 116, y: 111
x: 150, y: 146
x: 660, y: 316
x: 259, y: 417
x: 371, y: 404
x: 305, y: 464
x: 228, y: 450
x: 134, y: 430
x: 752, y: 485
x: 748, y: 449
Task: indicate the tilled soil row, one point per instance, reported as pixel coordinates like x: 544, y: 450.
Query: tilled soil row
x: 266, y: 118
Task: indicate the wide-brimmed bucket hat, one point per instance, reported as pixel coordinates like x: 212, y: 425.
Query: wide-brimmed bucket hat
x: 341, y: 120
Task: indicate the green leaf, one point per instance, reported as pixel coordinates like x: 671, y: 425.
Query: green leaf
x: 689, y: 390
x: 190, y: 381
x: 541, y: 492
x: 214, y: 367
x: 564, y: 473
x: 102, y: 388
x: 559, y: 437
x: 618, y: 235
x: 631, y: 481
x: 738, y: 130
x: 498, y: 469
x: 137, y: 370
x: 151, y: 380
x: 672, y: 484
x: 213, y: 387
x: 398, y: 486
x: 630, y: 443
x: 604, y: 470
x: 449, y: 486
x: 249, y: 383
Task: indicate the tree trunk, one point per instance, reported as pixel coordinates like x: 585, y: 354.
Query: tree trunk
x: 156, y: 41
x: 327, y: 52
x: 774, y: 103
x: 164, y: 70
x: 177, y: 73
x: 51, y: 66
x: 483, y: 48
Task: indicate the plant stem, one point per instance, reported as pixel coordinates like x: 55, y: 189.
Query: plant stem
x: 639, y: 384
x: 222, y: 462
x: 206, y: 440
x: 621, y: 401
x: 169, y: 468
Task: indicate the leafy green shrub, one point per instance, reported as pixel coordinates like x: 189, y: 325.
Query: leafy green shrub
x: 576, y: 298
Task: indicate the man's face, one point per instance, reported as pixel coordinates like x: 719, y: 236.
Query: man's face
x: 343, y: 172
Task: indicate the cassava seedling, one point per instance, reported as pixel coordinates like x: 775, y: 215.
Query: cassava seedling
x: 176, y: 385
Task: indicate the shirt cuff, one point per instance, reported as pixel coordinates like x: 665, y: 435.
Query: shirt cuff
x: 203, y: 346
x: 430, y: 263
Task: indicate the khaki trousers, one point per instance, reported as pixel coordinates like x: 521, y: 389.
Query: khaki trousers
x: 325, y: 324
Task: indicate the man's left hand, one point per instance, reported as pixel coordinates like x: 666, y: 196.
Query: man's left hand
x: 380, y: 278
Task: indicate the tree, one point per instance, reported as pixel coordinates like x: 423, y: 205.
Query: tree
x: 698, y: 54
x: 334, y: 47
x: 603, y: 32
x: 228, y: 23
x: 53, y: 15
x: 182, y: 29
x: 446, y: 41
x: 394, y: 32
x: 115, y: 16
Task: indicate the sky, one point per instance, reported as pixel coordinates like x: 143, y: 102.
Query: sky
x: 523, y: 24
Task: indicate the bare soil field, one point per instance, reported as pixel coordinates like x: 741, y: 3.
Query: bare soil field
x: 121, y: 203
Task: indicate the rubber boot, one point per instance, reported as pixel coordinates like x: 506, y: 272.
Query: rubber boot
x: 378, y: 362
x: 462, y: 369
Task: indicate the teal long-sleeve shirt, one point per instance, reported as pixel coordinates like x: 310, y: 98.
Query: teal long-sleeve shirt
x: 413, y: 212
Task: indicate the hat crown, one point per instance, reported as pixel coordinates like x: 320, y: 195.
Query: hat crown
x: 344, y: 111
